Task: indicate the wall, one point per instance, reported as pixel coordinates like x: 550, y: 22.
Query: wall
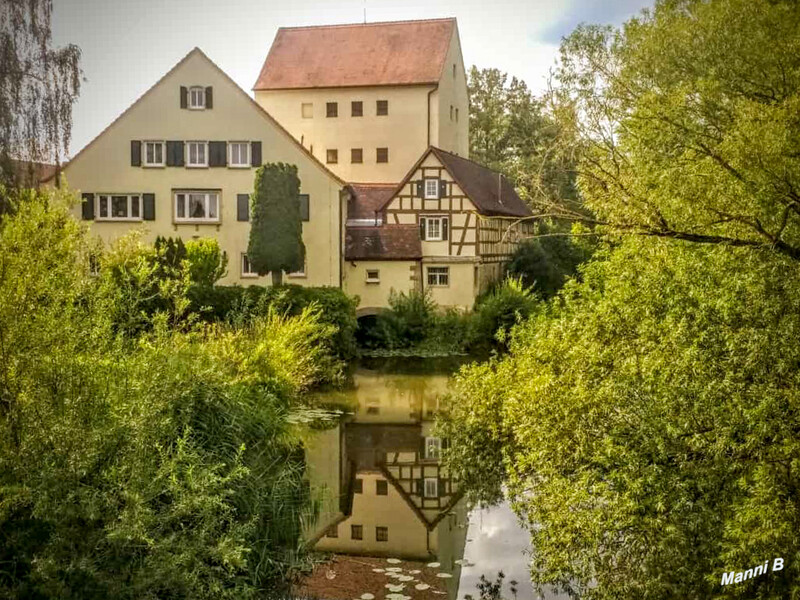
x: 404, y: 131
x: 461, y: 289
x: 394, y: 274
x: 452, y: 133
x: 105, y: 166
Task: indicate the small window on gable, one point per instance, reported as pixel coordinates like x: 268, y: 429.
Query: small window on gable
x: 197, y: 154
x: 197, y: 97
x: 153, y: 154
x: 382, y: 155
x: 381, y: 487
x: 239, y: 154
x: 382, y: 108
x: 431, y: 487
x: 431, y: 189
x: 332, y: 109
x: 373, y: 276
x: 307, y: 110
x: 433, y: 448
x: 332, y: 156
x: 356, y: 155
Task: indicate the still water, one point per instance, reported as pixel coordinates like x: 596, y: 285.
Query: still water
x: 391, y: 518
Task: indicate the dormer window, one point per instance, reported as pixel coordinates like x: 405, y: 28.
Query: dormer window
x: 197, y: 98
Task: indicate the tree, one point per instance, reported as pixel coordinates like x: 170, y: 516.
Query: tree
x: 38, y: 86
x: 276, y: 231
x: 686, y: 122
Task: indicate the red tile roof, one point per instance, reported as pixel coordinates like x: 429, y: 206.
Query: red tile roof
x: 368, y: 198
x: 392, y: 53
x: 386, y: 242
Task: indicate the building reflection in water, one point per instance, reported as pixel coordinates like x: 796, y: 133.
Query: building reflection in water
x: 385, y: 492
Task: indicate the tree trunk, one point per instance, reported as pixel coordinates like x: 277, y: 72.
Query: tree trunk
x: 277, y: 278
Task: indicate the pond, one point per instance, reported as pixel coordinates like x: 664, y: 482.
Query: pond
x: 392, y: 520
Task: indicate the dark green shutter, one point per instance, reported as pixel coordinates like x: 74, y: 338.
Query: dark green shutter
x: 445, y: 223
x: 184, y: 97
x: 175, y: 154
x: 136, y: 153
x: 242, y: 207
x: 209, y: 97
x: 217, y: 154
x: 87, y: 207
x: 422, y: 228
x: 149, y: 207
x: 305, y: 209
x: 255, y: 154
x: 442, y: 188
x: 420, y: 188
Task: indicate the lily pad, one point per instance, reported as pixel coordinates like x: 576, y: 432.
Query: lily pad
x: 444, y: 575
x: 415, y: 571
x: 394, y: 561
x: 434, y: 565
x: 405, y: 578
x: 393, y: 569
x: 377, y: 570
x: 422, y: 587
x: 367, y: 596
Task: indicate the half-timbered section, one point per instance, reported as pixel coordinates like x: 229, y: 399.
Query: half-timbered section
x: 468, y: 220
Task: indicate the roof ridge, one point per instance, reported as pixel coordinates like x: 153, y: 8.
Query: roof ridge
x: 372, y: 24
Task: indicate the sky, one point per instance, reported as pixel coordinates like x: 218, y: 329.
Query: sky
x: 127, y: 45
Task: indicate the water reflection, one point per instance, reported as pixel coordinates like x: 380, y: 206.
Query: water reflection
x: 390, y: 515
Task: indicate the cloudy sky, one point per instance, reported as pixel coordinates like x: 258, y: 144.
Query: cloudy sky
x: 128, y: 44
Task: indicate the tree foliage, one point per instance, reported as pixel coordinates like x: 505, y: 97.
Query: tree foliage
x: 38, y: 86
x: 276, y: 231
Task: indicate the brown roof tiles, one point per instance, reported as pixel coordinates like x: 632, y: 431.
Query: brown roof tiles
x: 369, y: 54
x: 368, y: 198
x: 386, y: 242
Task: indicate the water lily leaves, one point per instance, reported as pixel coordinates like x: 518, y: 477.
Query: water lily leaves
x: 422, y: 587
x: 393, y: 569
x: 377, y: 570
x: 367, y: 596
x: 393, y: 561
x: 444, y: 575
x: 434, y: 565
x: 405, y: 578
x: 415, y: 571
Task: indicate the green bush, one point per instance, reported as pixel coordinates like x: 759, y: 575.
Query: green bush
x: 157, y: 466
x: 407, y: 323
x: 497, y: 312
x: 206, y: 262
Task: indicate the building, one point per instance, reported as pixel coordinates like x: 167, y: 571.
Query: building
x: 374, y: 116
x: 368, y: 99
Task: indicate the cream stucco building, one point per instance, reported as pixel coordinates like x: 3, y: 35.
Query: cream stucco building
x: 374, y: 116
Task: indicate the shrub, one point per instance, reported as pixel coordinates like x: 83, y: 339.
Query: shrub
x: 206, y: 261
x: 407, y: 323
x: 497, y: 312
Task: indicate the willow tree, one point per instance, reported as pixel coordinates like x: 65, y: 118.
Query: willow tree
x: 38, y: 86
x: 276, y: 230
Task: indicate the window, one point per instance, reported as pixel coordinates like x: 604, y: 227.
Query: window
x: 451, y: 112
x: 373, y: 409
x: 435, y: 229
x: 153, y: 154
x: 239, y: 154
x: 357, y: 109
x: 382, y: 108
x: 332, y: 532
x: 195, y: 206
x: 382, y: 155
x: 358, y: 486
x: 197, y: 154
x: 119, y: 207
x: 332, y: 157
x: 373, y: 276
x: 381, y: 534
x: 381, y: 487
x: 332, y: 109
x: 300, y: 273
x: 356, y: 532
x: 197, y: 97
x: 438, y: 276
x: 305, y: 207
x: 307, y: 110
x: 356, y: 155
x: 433, y: 447
x: 456, y: 114
x: 431, y: 487
x: 431, y: 189
x: 454, y: 70
x: 247, y: 270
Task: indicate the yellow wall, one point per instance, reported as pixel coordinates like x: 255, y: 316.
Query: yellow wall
x: 104, y: 166
x: 450, y: 133
x: 394, y: 275
x: 461, y: 289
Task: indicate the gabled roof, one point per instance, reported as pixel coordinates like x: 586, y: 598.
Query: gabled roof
x: 368, y: 198
x: 384, y: 242
x: 368, y: 54
x: 244, y: 94
x: 490, y: 191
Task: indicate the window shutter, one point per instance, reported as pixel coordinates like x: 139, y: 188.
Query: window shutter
x: 422, y: 228
x: 255, y: 154
x: 304, y: 207
x: 217, y: 154
x: 445, y: 224
x: 420, y: 487
x: 421, y: 188
x: 242, y: 207
x: 87, y: 207
x: 175, y: 154
x: 184, y: 97
x: 442, y: 188
x: 149, y: 207
x: 209, y: 97
x: 136, y: 153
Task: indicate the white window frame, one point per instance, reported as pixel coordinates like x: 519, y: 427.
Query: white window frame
x: 433, y: 490
x: 433, y: 448
x: 207, y: 196
x: 202, y: 96
x: 376, y: 279
x: 189, y: 162
x: 245, y: 263
x: 439, y: 232
x: 431, y: 195
x: 108, y: 198
x: 441, y: 274
x: 298, y: 274
x: 154, y: 143
x: 239, y: 165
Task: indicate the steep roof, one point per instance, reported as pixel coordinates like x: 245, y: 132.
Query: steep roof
x: 368, y: 54
x: 385, y: 242
x: 368, y: 198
